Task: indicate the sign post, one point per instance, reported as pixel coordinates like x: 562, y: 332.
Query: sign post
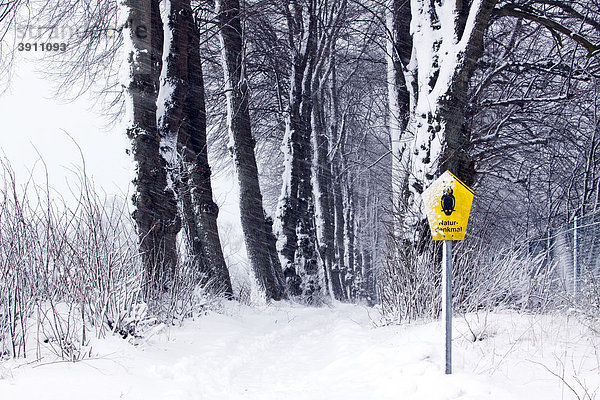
x: 447, y: 302
x: 447, y: 203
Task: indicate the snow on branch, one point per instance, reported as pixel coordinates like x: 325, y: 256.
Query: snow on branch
x: 523, y: 100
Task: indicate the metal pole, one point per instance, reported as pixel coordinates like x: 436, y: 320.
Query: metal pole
x: 575, y: 256
x: 447, y: 302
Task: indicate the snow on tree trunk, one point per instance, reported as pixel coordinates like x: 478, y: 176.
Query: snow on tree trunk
x: 365, y: 244
x: 199, y: 210
x: 321, y: 180
x: 447, y: 37
x: 255, y: 226
x: 357, y: 277
x: 368, y: 283
x: 181, y: 120
x: 155, y: 207
x: 175, y: 16
x: 287, y: 206
x: 306, y: 253
x: 349, y: 251
x: 338, y: 137
x: 339, y: 270
x: 335, y: 199
x: 294, y: 219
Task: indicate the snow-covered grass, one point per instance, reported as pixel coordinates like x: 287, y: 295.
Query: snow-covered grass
x: 68, y: 274
x: 285, y: 351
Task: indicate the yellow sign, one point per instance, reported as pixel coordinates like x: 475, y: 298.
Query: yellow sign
x: 447, y: 203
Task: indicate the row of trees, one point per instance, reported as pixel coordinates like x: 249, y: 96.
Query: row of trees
x: 308, y: 249
x: 369, y: 102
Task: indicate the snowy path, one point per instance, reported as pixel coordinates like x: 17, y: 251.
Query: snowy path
x: 304, y: 353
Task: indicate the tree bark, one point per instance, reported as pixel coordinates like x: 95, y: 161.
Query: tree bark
x: 294, y: 225
x: 445, y: 46
x: 339, y: 271
x: 321, y: 175
x: 155, y: 208
x: 338, y: 138
x: 349, y: 250
x: 398, y: 54
x: 199, y: 210
x: 181, y: 120
x: 256, y: 227
x: 174, y: 76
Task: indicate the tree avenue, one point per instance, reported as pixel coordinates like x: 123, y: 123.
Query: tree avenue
x: 334, y: 117
x: 319, y: 242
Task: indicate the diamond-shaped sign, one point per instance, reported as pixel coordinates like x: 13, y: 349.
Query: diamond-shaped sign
x: 447, y: 204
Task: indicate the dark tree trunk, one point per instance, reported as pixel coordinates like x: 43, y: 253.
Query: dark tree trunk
x: 295, y: 226
x: 399, y: 51
x: 306, y: 254
x: 174, y: 78
x: 258, y: 237
x: 368, y: 277
x: 287, y: 207
x: 321, y: 175
x: 336, y: 199
x: 349, y: 250
x: 199, y: 210
x: 155, y: 211
x: 339, y: 270
x: 182, y: 126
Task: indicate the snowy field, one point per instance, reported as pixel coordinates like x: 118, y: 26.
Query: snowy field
x: 292, y: 352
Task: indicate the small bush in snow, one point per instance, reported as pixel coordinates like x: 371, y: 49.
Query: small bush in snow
x: 72, y: 272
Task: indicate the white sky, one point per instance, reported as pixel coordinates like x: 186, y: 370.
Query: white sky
x: 32, y: 122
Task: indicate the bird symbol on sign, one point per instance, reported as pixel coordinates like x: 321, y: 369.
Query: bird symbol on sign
x: 448, y: 201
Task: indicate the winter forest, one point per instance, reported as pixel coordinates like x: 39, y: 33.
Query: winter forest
x: 330, y: 118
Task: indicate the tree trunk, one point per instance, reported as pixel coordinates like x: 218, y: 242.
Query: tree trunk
x: 181, y: 120
x: 398, y: 54
x: 338, y: 273
x: 287, y: 206
x: 258, y: 238
x: 155, y: 208
x: 174, y: 77
x: 368, y: 277
x: 294, y: 225
x: 445, y: 47
x: 321, y: 175
x: 306, y: 254
x: 349, y: 250
x: 199, y: 210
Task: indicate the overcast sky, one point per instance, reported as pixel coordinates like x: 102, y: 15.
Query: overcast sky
x: 32, y: 121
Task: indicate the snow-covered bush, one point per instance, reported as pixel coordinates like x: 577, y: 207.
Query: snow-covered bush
x: 190, y: 295
x: 484, y: 277
x: 67, y: 269
x: 70, y: 271
x: 489, y: 277
x: 410, y: 285
x: 586, y: 302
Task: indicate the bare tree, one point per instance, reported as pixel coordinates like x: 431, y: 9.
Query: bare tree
x: 293, y: 225
x: 259, y: 238
x: 438, y: 81
x: 182, y: 125
x: 155, y: 211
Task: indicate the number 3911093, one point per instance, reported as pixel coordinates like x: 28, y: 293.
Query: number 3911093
x: 42, y: 47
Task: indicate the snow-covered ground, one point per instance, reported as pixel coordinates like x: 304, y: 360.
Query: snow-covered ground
x: 283, y: 351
